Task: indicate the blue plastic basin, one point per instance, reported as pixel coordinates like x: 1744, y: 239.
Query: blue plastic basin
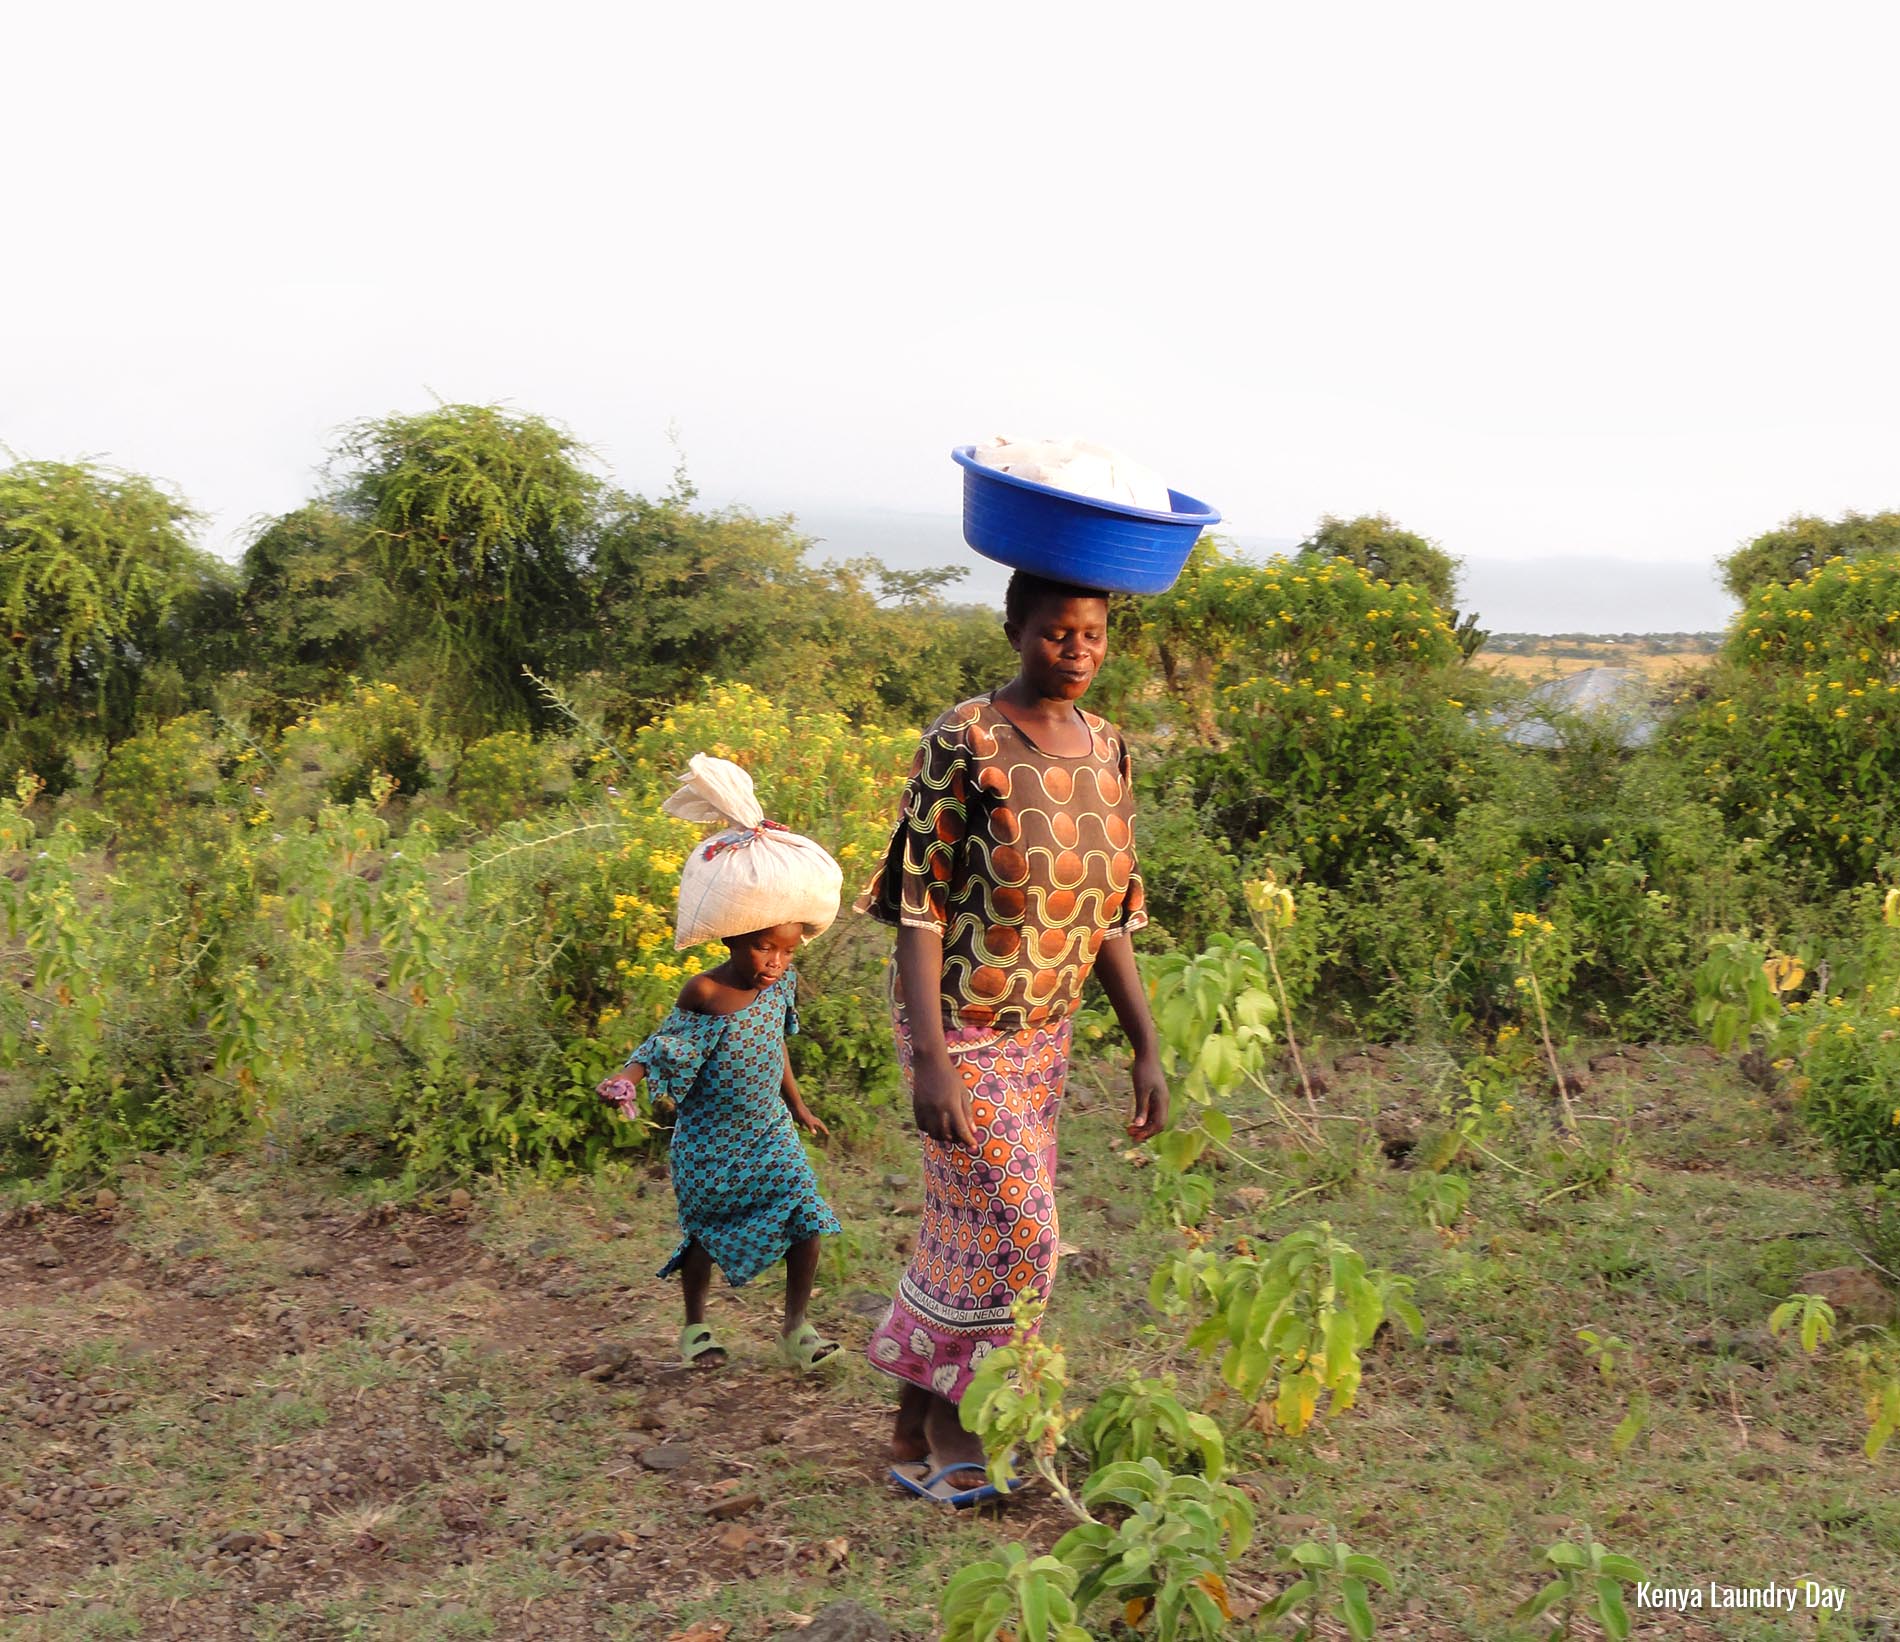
x: 1070, y: 538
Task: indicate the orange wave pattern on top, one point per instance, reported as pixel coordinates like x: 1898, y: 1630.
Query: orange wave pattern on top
x: 1023, y: 860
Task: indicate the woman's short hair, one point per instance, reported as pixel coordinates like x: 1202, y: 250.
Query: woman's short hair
x: 1026, y: 590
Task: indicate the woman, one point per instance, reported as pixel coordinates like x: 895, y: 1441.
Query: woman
x: 1010, y: 876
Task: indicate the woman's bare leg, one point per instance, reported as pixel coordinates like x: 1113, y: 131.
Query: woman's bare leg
x: 908, y: 1442
x: 949, y: 1443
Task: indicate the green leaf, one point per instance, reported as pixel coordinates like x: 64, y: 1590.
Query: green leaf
x: 1035, y: 1598
x: 1361, y: 1566
x: 1610, y: 1611
x: 1358, y: 1612
x: 1533, y: 1606
x: 1291, y: 1598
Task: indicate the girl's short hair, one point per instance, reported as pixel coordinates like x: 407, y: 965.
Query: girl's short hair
x: 1026, y: 590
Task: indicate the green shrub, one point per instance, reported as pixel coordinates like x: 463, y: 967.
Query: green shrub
x: 375, y: 729
x: 502, y: 777
x: 1797, y: 742
x: 149, y: 779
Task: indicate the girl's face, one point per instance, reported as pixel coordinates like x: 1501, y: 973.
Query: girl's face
x: 1062, y: 645
x: 762, y: 957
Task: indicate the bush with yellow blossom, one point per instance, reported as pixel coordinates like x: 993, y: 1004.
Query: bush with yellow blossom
x: 1798, y: 741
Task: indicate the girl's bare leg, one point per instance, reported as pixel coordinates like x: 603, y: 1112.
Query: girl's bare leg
x: 801, y: 1271
x: 696, y: 1269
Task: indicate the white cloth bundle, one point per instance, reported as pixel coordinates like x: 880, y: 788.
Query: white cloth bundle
x: 1079, y: 467
x: 753, y: 875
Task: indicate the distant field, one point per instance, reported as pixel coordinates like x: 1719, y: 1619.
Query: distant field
x: 1537, y: 656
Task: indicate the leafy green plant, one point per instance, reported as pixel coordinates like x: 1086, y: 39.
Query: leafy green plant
x: 1605, y: 1350
x: 1589, y: 1582
x: 1293, y: 1321
x: 1615, y: 1357
x: 1332, y: 1578
x: 1168, y: 1557
x: 1012, y: 1597
x: 1875, y: 1359
x: 1139, y: 1418
x: 1811, y: 1317
x: 1877, y: 1363
x: 1015, y: 1401
x: 1439, y: 1199
x: 1738, y: 994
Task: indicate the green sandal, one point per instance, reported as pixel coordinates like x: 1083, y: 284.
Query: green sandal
x: 805, y: 1348
x: 696, y: 1339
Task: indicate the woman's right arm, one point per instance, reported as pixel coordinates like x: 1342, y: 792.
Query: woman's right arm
x: 938, y: 1098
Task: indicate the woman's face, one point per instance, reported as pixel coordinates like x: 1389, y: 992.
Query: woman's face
x: 1062, y: 644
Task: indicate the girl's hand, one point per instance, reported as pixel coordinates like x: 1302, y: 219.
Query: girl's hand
x: 809, y: 1120
x: 622, y: 1089
x: 941, y: 1104
x: 1151, y: 1099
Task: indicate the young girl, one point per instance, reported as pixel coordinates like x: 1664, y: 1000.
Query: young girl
x: 747, y: 1196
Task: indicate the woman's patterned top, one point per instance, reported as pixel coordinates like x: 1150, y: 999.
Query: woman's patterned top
x: 1023, y: 860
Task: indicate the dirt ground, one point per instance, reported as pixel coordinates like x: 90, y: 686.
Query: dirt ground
x: 239, y: 1404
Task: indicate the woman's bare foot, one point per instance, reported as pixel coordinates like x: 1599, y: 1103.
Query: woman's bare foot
x: 908, y: 1441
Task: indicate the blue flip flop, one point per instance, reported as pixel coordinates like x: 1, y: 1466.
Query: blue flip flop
x: 925, y: 1479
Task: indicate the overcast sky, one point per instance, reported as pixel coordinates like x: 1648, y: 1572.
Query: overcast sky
x: 1535, y: 280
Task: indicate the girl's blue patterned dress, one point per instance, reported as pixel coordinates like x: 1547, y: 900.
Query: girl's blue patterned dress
x: 745, y: 1187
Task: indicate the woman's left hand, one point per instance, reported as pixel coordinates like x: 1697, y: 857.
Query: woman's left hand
x: 1151, y: 1099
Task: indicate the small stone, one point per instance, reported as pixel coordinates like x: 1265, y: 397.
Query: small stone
x: 897, y: 1182
x: 1855, y: 1294
x: 460, y: 1202
x: 667, y: 1456
x: 402, y: 1255
x: 309, y: 1263
x: 49, y: 1256
x: 106, y: 1201
x: 735, y: 1539
x: 843, y: 1622
x: 594, y: 1540
x: 867, y: 1303
x: 236, y: 1544
x: 734, y: 1505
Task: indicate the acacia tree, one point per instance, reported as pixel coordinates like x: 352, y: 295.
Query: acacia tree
x: 100, y: 586
x: 315, y: 609
x: 1381, y: 549
x: 1806, y: 542
x: 478, y: 523
x: 679, y: 594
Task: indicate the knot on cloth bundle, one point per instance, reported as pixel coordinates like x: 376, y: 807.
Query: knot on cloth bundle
x: 755, y: 874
